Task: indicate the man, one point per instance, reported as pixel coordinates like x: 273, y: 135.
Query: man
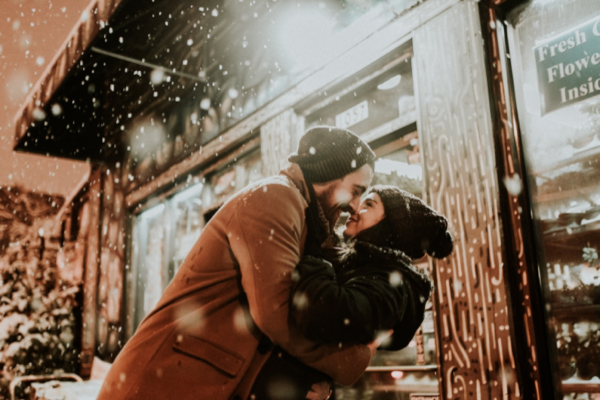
x: 217, y: 321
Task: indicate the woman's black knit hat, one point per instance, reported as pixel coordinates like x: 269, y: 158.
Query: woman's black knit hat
x: 327, y: 153
x: 416, y: 228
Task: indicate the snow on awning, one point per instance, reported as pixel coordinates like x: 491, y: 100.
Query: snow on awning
x: 93, y: 19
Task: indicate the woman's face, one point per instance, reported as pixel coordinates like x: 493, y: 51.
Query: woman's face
x: 369, y: 214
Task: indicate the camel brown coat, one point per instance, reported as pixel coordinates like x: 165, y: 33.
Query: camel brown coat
x: 231, y: 292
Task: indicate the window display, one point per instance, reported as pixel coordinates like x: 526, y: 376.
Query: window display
x: 555, y: 58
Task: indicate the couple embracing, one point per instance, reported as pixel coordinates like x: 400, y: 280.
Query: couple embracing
x: 271, y: 304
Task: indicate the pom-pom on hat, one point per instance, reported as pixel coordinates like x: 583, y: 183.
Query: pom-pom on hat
x: 327, y: 153
x: 416, y: 228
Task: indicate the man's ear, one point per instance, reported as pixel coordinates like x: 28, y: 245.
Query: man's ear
x: 321, y: 188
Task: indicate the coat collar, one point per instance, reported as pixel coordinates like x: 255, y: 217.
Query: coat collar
x: 294, y: 174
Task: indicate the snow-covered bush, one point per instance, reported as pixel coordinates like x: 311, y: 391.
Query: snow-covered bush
x: 37, y: 322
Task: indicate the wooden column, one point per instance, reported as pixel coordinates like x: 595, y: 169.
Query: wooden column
x: 475, y: 338
x: 89, y: 225
x: 110, y: 323
x: 278, y: 138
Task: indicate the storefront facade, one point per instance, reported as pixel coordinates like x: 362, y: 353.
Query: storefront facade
x: 444, y: 91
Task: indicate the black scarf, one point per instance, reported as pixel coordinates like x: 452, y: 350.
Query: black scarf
x: 318, y: 231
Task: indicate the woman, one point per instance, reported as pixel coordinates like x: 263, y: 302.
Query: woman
x: 373, y: 285
x: 366, y: 286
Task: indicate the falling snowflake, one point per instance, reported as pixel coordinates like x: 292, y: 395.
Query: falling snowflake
x: 205, y: 103
x: 39, y: 114
x: 56, y: 109
x: 395, y: 278
x: 513, y: 184
x: 157, y: 76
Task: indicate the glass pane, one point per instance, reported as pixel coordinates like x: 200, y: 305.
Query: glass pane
x: 188, y: 222
x: 149, y: 280
x: 384, y: 104
x: 555, y: 51
x: 153, y: 262
x: 399, y: 163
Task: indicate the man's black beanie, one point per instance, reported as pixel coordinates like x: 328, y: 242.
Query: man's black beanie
x: 327, y: 153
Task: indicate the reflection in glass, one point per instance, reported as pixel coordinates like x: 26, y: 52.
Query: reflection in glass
x: 399, y: 163
x: 149, y: 234
x: 376, y: 108
x: 186, y: 209
x: 562, y: 154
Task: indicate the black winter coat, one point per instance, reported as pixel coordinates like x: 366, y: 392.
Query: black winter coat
x: 374, y: 289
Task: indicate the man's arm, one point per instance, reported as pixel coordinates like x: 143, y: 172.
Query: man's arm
x: 265, y: 236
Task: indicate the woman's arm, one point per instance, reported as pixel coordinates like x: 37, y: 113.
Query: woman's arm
x: 350, y: 312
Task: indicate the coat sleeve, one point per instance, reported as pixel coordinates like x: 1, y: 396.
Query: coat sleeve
x: 265, y: 236
x: 350, y: 312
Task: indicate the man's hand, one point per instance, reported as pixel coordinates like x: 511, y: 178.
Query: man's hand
x: 381, y: 337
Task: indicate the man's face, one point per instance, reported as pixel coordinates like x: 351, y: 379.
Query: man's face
x: 343, y: 195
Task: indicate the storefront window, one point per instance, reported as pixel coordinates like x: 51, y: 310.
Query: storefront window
x: 555, y: 54
x: 380, y: 107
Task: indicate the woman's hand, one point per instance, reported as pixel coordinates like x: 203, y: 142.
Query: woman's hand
x: 381, y: 337
x: 319, y: 391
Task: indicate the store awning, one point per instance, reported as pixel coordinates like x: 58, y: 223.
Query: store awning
x: 37, y: 104
x: 102, y: 76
